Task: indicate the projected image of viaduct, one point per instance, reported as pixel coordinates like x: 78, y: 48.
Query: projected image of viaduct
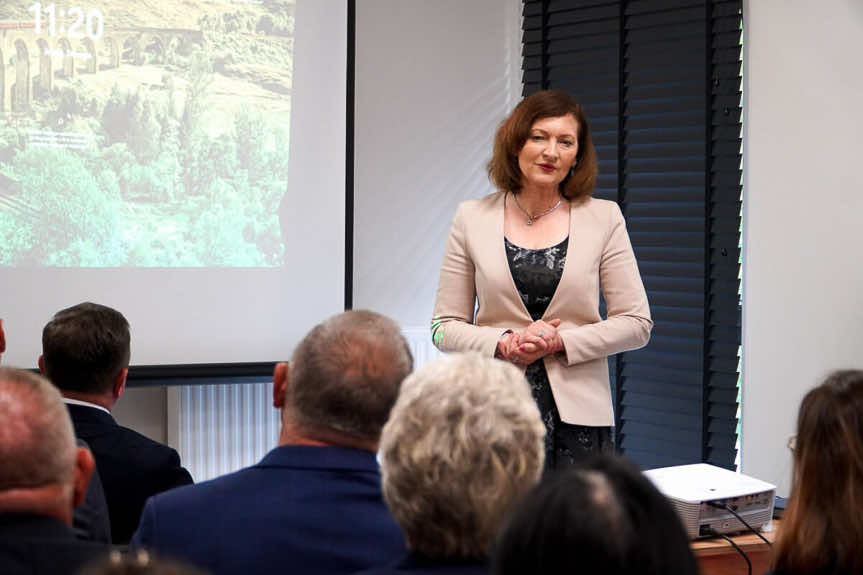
x: 29, y: 63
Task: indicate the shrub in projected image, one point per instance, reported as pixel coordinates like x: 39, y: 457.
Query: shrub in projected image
x: 77, y: 204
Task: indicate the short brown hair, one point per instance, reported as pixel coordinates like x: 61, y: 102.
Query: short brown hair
x: 346, y: 374
x: 85, y: 347
x: 822, y: 530
x: 511, y: 135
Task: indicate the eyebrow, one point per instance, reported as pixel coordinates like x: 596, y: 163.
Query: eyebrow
x: 545, y: 132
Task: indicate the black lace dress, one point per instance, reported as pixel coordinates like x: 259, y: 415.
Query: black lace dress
x: 536, y: 274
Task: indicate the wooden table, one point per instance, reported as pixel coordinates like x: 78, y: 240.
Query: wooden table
x: 716, y: 556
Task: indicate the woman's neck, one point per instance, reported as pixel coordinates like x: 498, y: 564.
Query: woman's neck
x: 535, y: 199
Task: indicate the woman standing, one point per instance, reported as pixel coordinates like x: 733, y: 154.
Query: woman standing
x: 531, y: 260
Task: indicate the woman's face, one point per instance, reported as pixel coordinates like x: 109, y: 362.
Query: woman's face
x: 549, y: 152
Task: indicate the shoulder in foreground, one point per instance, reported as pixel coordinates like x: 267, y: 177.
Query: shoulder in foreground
x: 236, y: 485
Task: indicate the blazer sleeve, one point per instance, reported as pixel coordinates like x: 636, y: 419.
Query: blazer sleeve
x: 628, y: 322
x: 452, y: 326
x: 174, y: 474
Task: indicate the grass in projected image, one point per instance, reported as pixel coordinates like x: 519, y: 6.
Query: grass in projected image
x: 146, y: 135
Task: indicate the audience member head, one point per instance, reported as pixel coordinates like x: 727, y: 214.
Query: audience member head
x: 43, y: 472
x: 822, y: 529
x: 463, y: 443
x: 85, y: 351
x: 342, y: 381
x: 600, y: 516
x: 138, y: 562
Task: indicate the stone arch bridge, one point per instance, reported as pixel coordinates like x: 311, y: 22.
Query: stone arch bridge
x: 30, y: 62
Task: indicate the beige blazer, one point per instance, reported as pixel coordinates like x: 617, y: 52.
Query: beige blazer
x: 475, y: 275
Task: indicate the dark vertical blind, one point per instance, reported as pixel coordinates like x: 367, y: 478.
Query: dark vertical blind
x: 660, y: 81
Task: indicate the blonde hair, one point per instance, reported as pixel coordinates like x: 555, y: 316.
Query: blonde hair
x: 463, y: 443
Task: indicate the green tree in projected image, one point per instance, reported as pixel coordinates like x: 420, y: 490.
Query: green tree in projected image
x: 173, y: 174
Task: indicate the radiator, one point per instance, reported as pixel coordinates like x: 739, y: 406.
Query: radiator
x: 218, y: 429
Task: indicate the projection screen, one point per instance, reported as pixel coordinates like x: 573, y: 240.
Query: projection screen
x: 145, y: 165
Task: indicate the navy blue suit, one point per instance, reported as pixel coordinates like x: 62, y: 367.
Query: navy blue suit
x: 301, y: 510
x: 132, y: 467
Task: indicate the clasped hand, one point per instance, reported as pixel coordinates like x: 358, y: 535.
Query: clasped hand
x: 537, y: 340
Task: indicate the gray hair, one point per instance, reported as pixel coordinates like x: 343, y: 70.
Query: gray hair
x: 464, y: 442
x: 346, y: 374
x: 37, y: 441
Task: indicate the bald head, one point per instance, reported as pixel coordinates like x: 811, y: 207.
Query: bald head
x: 42, y: 471
x: 346, y: 373
x: 37, y: 442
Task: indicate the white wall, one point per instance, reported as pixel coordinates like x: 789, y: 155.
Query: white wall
x: 803, y: 269
x: 144, y: 409
x: 434, y: 78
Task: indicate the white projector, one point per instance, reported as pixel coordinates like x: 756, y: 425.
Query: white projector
x: 700, y: 491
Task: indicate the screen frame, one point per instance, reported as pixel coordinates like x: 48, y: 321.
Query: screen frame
x: 151, y: 374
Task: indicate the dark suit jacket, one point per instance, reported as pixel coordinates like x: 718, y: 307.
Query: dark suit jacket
x: 91, y: 520
x: 132, y: 467
x: 421, y: 565
x: 301, y: 510
x: 39, y: 545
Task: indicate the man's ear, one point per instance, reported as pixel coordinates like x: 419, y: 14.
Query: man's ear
x: 120, y: 384
x: 2, y: 337
x: 281, y: 375
x: 84, y: 465
x: 42, y: 365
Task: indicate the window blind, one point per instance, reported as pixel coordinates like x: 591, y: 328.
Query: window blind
x: 660, y: 81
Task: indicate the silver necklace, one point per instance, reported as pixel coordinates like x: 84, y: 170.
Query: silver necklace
x: 531, y: 218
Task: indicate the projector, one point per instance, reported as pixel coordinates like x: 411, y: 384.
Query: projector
x: 700, y: 491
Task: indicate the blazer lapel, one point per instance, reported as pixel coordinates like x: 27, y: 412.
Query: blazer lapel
x: 500, y: 260
x: 575, y: 254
